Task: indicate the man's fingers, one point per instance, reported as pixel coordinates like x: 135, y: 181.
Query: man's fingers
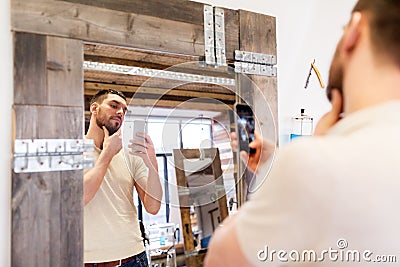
x: 118, y: 132
x: 106, y: 133
x: 333, y: 116
x: 257, y: 142
x: 233, y: 136
x: 135, y: 142
x: 244, y: 155
x: 234, y: 143
x: 145, y: 137
x: 336, y: 102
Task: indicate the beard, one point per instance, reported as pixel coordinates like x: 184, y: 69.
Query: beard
x: 335, y: 80
x: 111, y: 126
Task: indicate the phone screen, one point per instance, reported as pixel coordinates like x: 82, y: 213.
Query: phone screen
x: 139, y: 126
x: 245, y: 126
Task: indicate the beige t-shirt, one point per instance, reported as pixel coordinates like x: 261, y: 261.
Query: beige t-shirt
x: 336, y: 195
x: 111, y: 226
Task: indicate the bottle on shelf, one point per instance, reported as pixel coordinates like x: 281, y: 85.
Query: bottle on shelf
x: 302, y: 125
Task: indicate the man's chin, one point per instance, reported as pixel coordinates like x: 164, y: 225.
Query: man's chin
x: 112, y: 131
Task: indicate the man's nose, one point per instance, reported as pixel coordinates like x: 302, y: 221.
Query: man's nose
x: 120, y: 111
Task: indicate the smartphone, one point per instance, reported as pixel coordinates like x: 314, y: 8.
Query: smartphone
x: 139, y: 126
x: 245, y: 126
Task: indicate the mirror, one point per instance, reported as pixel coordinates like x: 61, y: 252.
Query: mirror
x: 202, y: 198
x: 186, y: 106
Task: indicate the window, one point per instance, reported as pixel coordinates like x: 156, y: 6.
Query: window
x: 174, y: 134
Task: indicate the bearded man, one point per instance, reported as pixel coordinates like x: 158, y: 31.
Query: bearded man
x: 112, y: 235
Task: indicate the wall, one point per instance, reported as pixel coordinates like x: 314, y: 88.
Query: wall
x: 6, y: 99
x: 306, y: 30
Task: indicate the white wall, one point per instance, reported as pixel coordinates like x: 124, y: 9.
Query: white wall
x: 6, y: 99
x: 306, y: 30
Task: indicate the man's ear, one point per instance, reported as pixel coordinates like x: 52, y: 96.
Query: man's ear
x: 353, y: 31
x: 94, y: 108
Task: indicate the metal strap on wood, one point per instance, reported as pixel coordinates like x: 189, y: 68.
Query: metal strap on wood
x: 214, y: 36
x: 255, y: 63
x: 44, y: 155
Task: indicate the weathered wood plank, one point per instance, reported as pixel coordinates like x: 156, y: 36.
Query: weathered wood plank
x: 222, y: 202
x: 92, y: 88
x: 108, y: 26
x: 136, y: 55
x: 258, y: 34
x: 179, y: 10
x: 181, y: 181
x: 267, y: 115
x: 48, y: 69
x: 65, y: 75
x: 152, y: 59
x: 38, y: 217
x: 29, y: 69
x: 35, y: 219
x: 188, y: 105
x: 65, y: 85
x: 232, y: 33
x: 48, y: 122
x: 71, y: 219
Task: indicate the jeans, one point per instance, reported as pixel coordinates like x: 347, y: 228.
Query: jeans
x: 139, y: 261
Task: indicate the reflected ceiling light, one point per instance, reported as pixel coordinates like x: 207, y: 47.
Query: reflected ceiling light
x: 163, y: 74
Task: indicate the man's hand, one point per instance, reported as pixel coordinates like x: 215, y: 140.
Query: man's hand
x: 112, y: 144
x: 333, y: 116
x: 149, y: 190
x: 144, y: 148
x: 264, y: 150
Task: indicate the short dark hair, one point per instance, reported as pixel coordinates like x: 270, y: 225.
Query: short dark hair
x: 102, y: 94
x: 384, y: 22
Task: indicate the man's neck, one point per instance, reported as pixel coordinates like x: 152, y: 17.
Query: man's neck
x: 374, y: 86
x: 97, y: 134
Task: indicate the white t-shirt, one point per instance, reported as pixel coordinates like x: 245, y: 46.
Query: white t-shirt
x: 111, y: 226
x: 339, y: 192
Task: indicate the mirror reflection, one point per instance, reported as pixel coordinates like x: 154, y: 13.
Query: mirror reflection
x: 181, y: 104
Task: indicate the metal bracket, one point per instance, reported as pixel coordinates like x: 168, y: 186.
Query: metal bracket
x: 214, y: 36
x: 255, y: 63
x: 44, y: 155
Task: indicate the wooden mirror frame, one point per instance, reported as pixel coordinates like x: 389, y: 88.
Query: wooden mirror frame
x: 47, y: 208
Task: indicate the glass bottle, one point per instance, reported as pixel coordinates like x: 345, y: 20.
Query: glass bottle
x: 302, y: 125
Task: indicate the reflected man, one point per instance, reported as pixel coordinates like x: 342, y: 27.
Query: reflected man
x: 112, y: 236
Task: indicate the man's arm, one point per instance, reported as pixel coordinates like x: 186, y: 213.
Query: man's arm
x: 149, y: 190
x: 224, y: 249
x: 95, y: 176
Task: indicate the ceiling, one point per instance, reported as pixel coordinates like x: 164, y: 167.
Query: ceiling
x: 191, y: 98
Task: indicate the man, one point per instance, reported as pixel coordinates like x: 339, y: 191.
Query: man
x: 112, y: 235
x: 332, y: 199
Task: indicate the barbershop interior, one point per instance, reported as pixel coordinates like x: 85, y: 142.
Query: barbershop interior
x: 191, y: 73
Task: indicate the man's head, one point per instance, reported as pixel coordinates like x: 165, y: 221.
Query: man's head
x: 108, y: 108
x: 383, y: 20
